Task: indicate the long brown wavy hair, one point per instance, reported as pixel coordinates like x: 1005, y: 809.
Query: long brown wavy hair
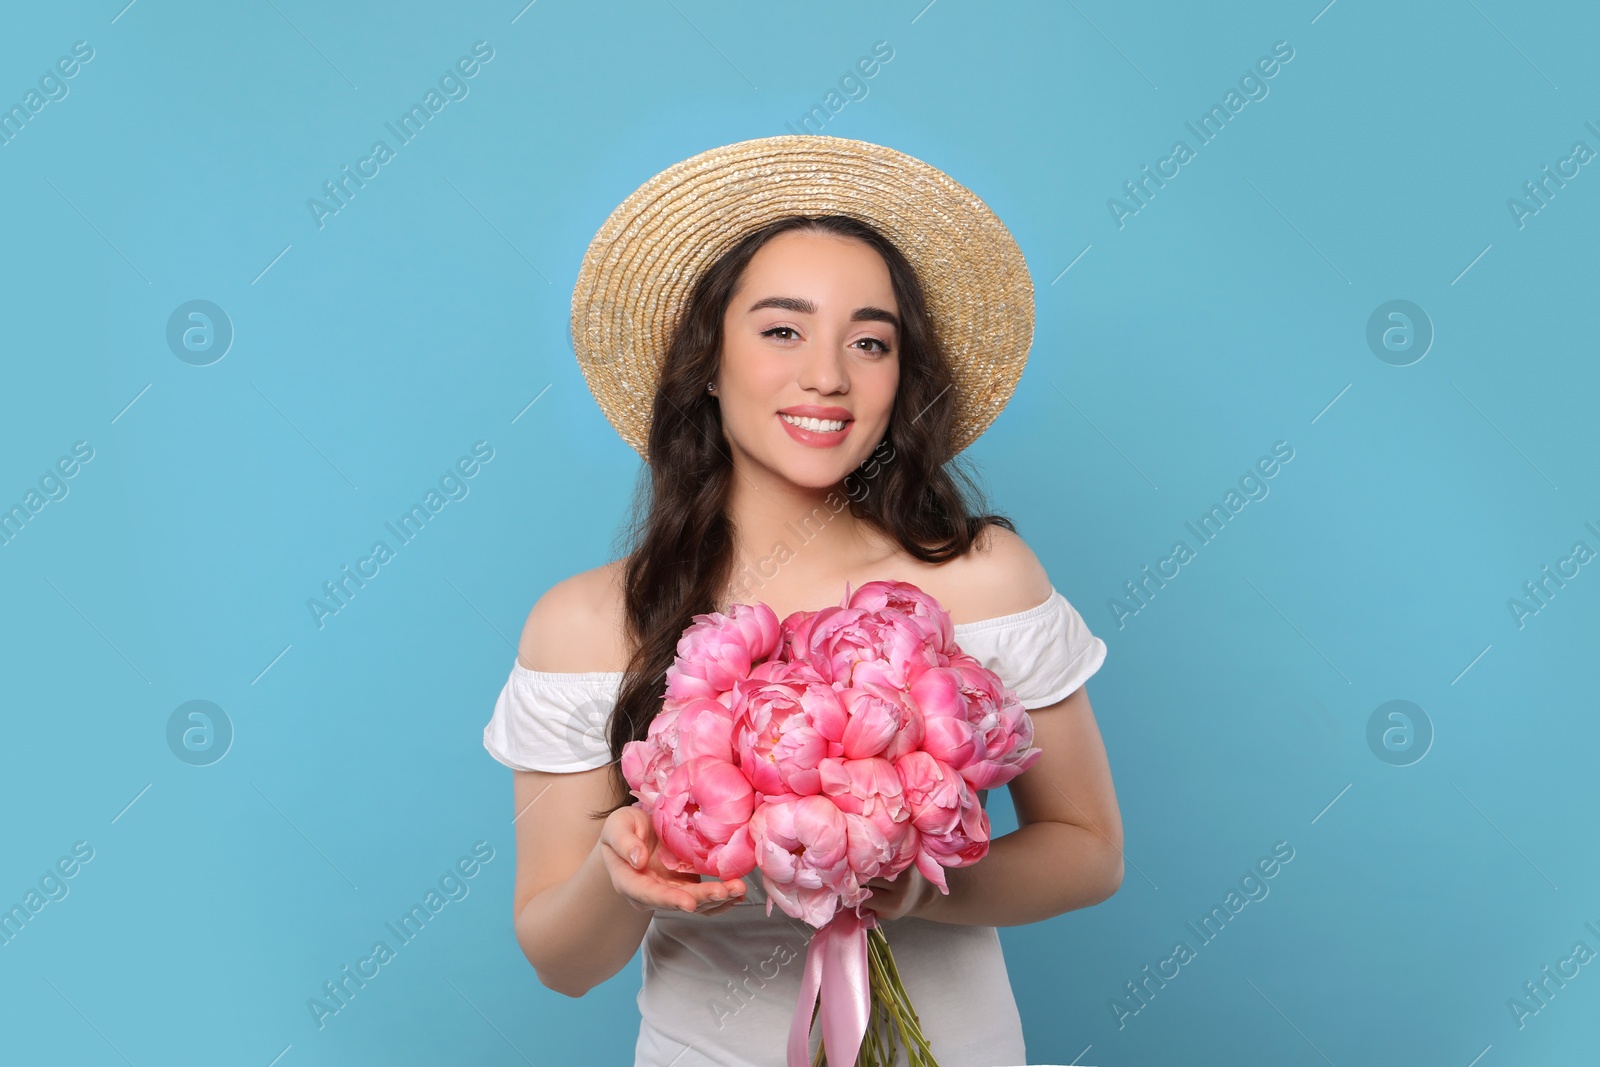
x: 680, y: 540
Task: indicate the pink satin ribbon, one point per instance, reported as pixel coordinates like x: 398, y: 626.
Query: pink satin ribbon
x: 836, y: 968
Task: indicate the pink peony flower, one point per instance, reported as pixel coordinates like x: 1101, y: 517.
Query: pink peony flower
x: 783, y: 716
x: 1000, y: 725
x: 719, y: 649
x: 875, y: 854
x: 801, y: 846
x: 1006, y: 733
x: 704, y: 728
x: 925, y: 612
x: 703, y: 819
x: 869, y: 792
x: 869, y: 787
x: 853, y: 646
x: 963, y: 845
x: 880, y: 722
x: 948, y: 733
x: 933, y: 792
x: 647, y: 764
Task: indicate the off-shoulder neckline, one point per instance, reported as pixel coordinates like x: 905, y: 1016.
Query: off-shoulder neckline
x: 960, y: 628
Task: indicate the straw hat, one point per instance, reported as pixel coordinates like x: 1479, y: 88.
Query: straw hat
x: 642, y: 265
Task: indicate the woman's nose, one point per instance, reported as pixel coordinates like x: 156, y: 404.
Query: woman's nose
x: 822, y: 369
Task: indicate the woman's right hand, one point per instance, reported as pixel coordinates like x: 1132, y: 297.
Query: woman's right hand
x: 628, y: 845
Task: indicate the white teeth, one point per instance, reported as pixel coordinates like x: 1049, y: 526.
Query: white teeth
x: 814, y: 425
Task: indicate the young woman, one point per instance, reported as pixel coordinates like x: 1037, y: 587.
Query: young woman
x: 798, y: 397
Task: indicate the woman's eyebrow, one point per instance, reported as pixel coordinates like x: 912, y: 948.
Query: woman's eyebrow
x: 800, y: 305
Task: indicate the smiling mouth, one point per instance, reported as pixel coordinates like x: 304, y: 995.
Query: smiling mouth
x: 815, y: 425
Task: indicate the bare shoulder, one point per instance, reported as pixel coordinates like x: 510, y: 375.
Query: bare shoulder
x: 577, y: 625
x: 1000, y: 576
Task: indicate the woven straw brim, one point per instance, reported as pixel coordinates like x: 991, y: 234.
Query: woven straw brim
x: 642, y: 265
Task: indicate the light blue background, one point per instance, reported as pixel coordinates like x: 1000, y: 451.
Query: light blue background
x: 1228, y: 314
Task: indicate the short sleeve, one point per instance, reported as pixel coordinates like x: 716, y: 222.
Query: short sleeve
x: 1044, y: 653
x: 546, y: 721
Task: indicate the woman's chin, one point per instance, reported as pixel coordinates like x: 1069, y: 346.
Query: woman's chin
x: 806, y: 468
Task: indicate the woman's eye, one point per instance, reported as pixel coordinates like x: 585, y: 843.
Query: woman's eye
x: 789, y: 333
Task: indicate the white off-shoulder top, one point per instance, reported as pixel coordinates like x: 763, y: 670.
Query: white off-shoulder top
x: 721, y: 989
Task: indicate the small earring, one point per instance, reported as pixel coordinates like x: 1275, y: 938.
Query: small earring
x: 711, y: 387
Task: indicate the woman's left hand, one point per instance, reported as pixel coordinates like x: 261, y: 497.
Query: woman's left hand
x: 906, y: 894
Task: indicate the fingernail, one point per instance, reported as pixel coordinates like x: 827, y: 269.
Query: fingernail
x: 633, y: 857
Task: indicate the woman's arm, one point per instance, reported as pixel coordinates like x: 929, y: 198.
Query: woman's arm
x: 581, y: 928
x: 573, y: 922
x: 1067, y: 850
x: 573, y: 926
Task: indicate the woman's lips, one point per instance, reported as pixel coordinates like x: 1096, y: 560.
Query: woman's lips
x: 814, y: 439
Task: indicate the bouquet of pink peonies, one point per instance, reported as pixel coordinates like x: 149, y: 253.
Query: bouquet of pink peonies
x: 828, y: 749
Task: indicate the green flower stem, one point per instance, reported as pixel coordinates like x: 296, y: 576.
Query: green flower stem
x: 873, y: 1051
x: 918, y: 1052
x: 883, y: 1012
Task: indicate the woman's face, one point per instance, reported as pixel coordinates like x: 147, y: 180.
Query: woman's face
x: 811, y: 331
